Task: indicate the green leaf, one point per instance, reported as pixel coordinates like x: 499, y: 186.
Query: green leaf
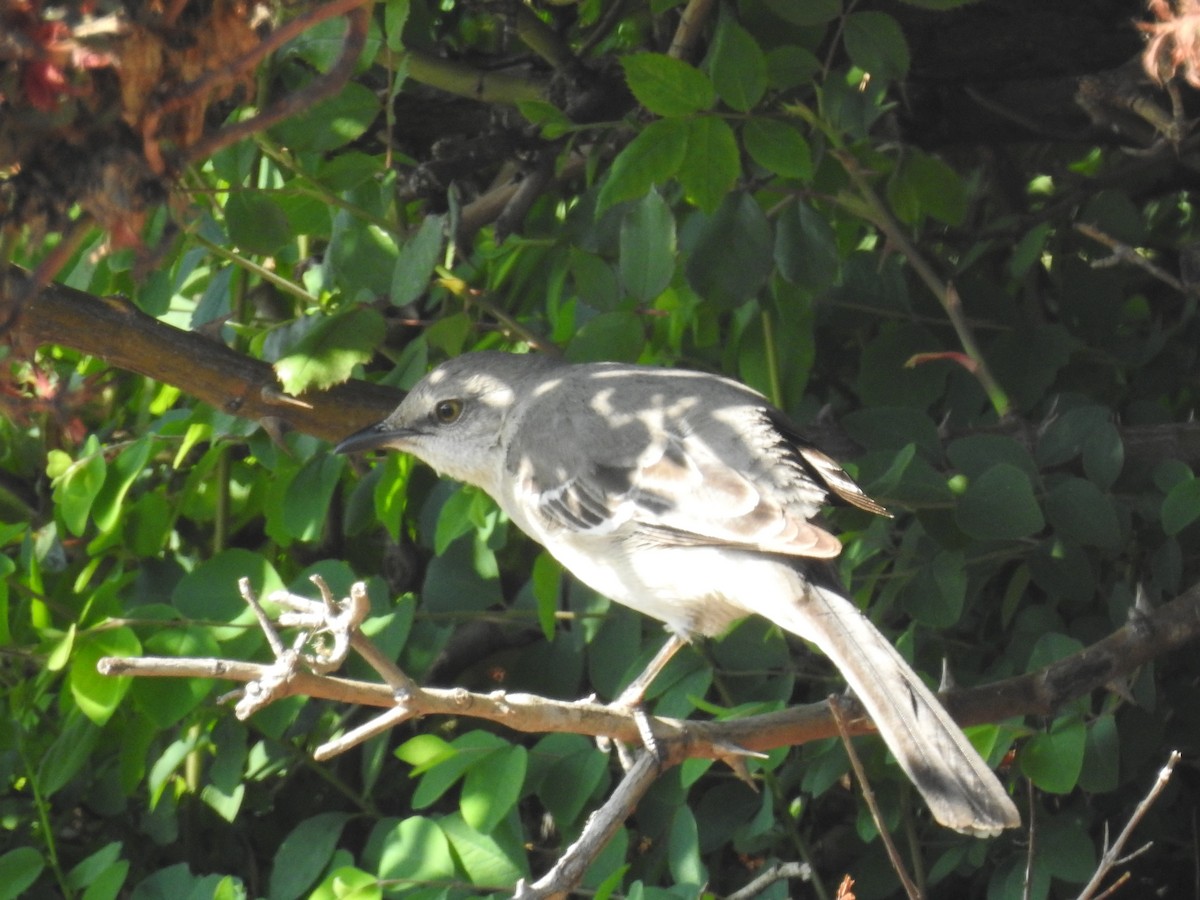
x: 304, y: 854
x: 487, y: 859
x: 937, y: 593
x: 492, y: 787
x: 348, y: 170
x: 569, y: 784
x: 649, y: 159
x: 320, y: 45
x: 449, y: 333
x: 1053, y: 760
x: 975, y: 454
x: 361, y: 256
x: 1079, y: 511
x: 416, y: 850
x: 1104, y: 455
x: 875, y: 43
x: 122, y: 471
x: 595, y: 281
x: 806, y: 247
x: 1028, y: 250
x: 255, y: 223
x: 461, y: 580
x: 1000, y: 505
x: 19, y: 869
x: 415, y: 264
x: 165, y: 701
x: 1062, y: 569
x: 425, y: 751
x: 440, y: 772
x: 1181, y: 506
x: 778, y: 147
x: 99, y: 695
x: 790, y: 66
x: 210, y: 591
x: 683, y: 848
x: 546, y: 581
x: 79, y: 485
x: 922, y: 185
x: 1102, y: 756
x: 67, y: 755
x: 88, y: 870
x: 454, y: 519
x: 306, y: 503
x: 1050, y: 648
x: 647, y: 247
x: 667, y: 86
x: 328, y: 353
x: 810, y: 12
x: 616, y: 336
x: 710, y: 164
x: 1026, y: 361
x: 733, y: 254
x: 1064, y: 849
x: 395, y: 15
x: 738, y: 66
x: 348, y: 883
x: 552, y: 121
x: 331, y: 123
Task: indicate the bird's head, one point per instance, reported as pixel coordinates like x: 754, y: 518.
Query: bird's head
x: 454, y: 417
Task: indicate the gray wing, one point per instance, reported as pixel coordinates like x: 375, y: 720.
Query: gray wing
x: 682, y: 473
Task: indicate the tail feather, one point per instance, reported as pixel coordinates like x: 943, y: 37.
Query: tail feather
x: 960, y: 789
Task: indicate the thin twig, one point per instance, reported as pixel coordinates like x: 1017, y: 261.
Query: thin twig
x: 1122, y: 252
x: 1031, y: 846
x: 1112, y: 856
x: 1112, y: 889
x: 770, y: 875
x: 947, y: 295
x: 910, y: 887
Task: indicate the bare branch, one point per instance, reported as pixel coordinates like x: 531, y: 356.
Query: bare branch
x: 1113, y: 855
x: 770, y: 875
x: 1040, y: 693
x: 601, y: 826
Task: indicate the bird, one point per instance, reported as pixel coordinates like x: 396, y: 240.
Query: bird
x: 688, y: 497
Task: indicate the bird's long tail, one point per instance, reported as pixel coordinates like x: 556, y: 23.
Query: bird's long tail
x: 962, y: 792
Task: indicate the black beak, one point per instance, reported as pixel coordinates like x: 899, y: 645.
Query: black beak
x: 373, y: 437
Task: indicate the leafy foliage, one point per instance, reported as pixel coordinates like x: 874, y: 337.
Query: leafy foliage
x: 739, y: 193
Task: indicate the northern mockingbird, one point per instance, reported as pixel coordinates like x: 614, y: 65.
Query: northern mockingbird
x: 688, y: 497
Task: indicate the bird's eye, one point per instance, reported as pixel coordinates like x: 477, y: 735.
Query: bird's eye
x: 448, y: 411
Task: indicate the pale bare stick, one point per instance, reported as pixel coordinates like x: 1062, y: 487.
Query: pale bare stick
x: 1112, y: 856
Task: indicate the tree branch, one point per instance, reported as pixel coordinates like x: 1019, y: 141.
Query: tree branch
x: 1040, y: 693
x: 116, y: 331
x: 119, y: 333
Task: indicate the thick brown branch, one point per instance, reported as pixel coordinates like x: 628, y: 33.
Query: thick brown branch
x: 123, y: 336
x: 117, y: 332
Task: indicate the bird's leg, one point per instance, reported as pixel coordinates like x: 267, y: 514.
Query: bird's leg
x: 632, y: 696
